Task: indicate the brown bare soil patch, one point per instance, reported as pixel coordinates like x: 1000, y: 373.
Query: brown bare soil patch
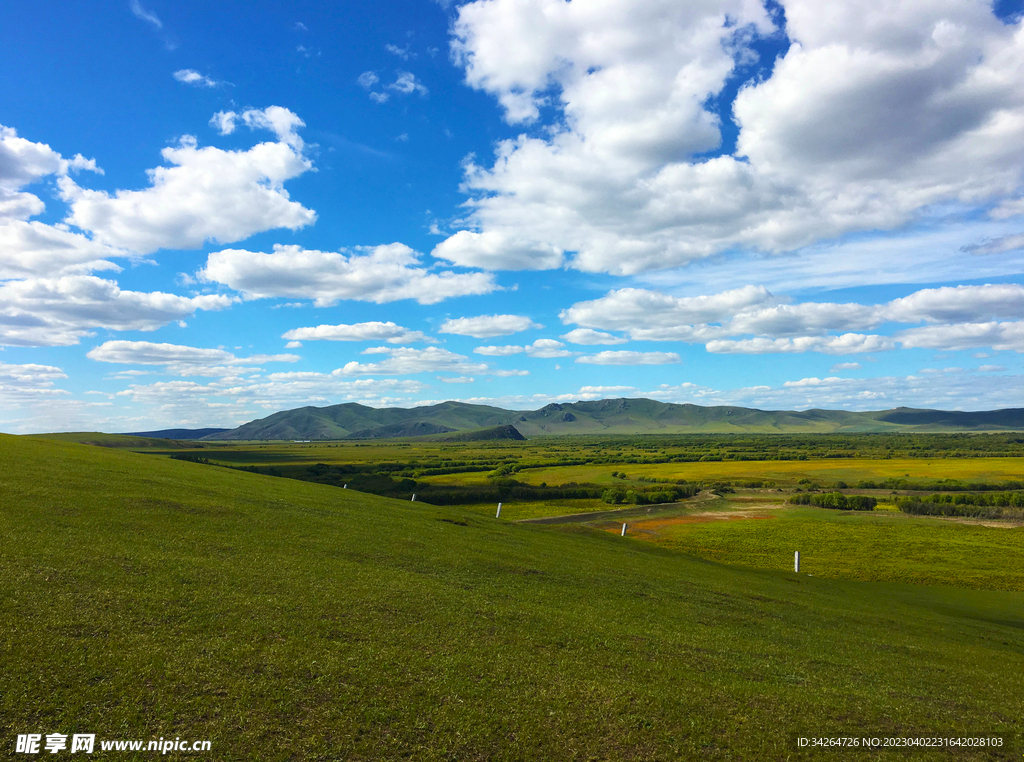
x: 654, y: 525
x: 996, y: 523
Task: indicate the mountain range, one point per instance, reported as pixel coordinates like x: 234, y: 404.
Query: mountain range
x: 461, y: 421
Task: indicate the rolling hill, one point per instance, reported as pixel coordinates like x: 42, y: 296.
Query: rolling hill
x: 281, y: 620
x: 610, y: 416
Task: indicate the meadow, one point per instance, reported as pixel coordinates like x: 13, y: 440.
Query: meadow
x: 284, y: 619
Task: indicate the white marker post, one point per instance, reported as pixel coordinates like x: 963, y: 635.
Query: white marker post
x: 413, y: 497
x: 796, y: 562
x: 345, y: 487
x: 623, y: 531
x: 498, y: 514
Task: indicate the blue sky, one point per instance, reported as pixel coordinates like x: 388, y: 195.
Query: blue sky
x: 210, y: 212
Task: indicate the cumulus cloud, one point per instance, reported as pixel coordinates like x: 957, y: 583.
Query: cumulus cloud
x: 627, y: 357
x: 844, y: 366
x: 406, y: 83
x: 848, y: 343
x: 206, y: 194
x: 498, y: 251
x: 179, y: 359
x: 590, y: 336
x: 654, y: 313
x: 402, y: 53
x: 23, y: 162
x: 998, y: 336
x: 194, y: 78
x: 60, y: 311
x: 372, y: 331
x: 402, y: 361
x: 368, y: 79
x: 28, y: 383
x: 793, y: 328
x: 931, y: 108
x: 486, y: 326
x: 371, y: 274
x: 33, y: 249
x: 962, y: 303
x: 541, y: 348
x: 502, y: 351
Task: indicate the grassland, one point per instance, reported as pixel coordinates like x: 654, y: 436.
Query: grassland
x: 148, y: 597
x: 789, y: 473
x: 882, y: 545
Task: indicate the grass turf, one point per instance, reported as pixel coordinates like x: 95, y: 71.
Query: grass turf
x: 881, y: 546
x: 286, y: 620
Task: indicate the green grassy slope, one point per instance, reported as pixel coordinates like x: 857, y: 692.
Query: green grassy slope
x: 291, y: 621
x: 129, y: 441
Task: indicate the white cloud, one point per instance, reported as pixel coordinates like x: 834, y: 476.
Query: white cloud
x: 930, y: 252
x: 368, y: 79
x: 371, y: 274
x: 844, y: 366
x: 403, y: 361
x: 32, y: 249
x: 502, y: 351
x: 1013, y: 207
x: 456, y: 379
x: 547, y: 348
x: 372, y: 331
x: 406, y: 83
x: 27, y: 383
x: 794, y: 328
x: 23, y: 162
x: 207, y: 194
x: 998, y: 336
x: 541, y: 348
x: 224, y: 122
x: 59, y: 311
x: 402, y: 53
x: 497, y: 251
x: 589, y: 336
x: 379, y: 97
x: 627, y: 357
x: 597, y: 392
x: 486, y: 326
x: 848, y: 343
x: 991, y: 368
x: 181, y: 360
x: 651, y: 313
x: 959, y: 304
x: 931, y: 108
x: 998, y: 245
x: 192, y: 77
x: 145, y: 15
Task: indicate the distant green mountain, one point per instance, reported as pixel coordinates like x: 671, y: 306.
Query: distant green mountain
x: 354, y: 421
x: 611, y: 416
x: 484, y: 435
